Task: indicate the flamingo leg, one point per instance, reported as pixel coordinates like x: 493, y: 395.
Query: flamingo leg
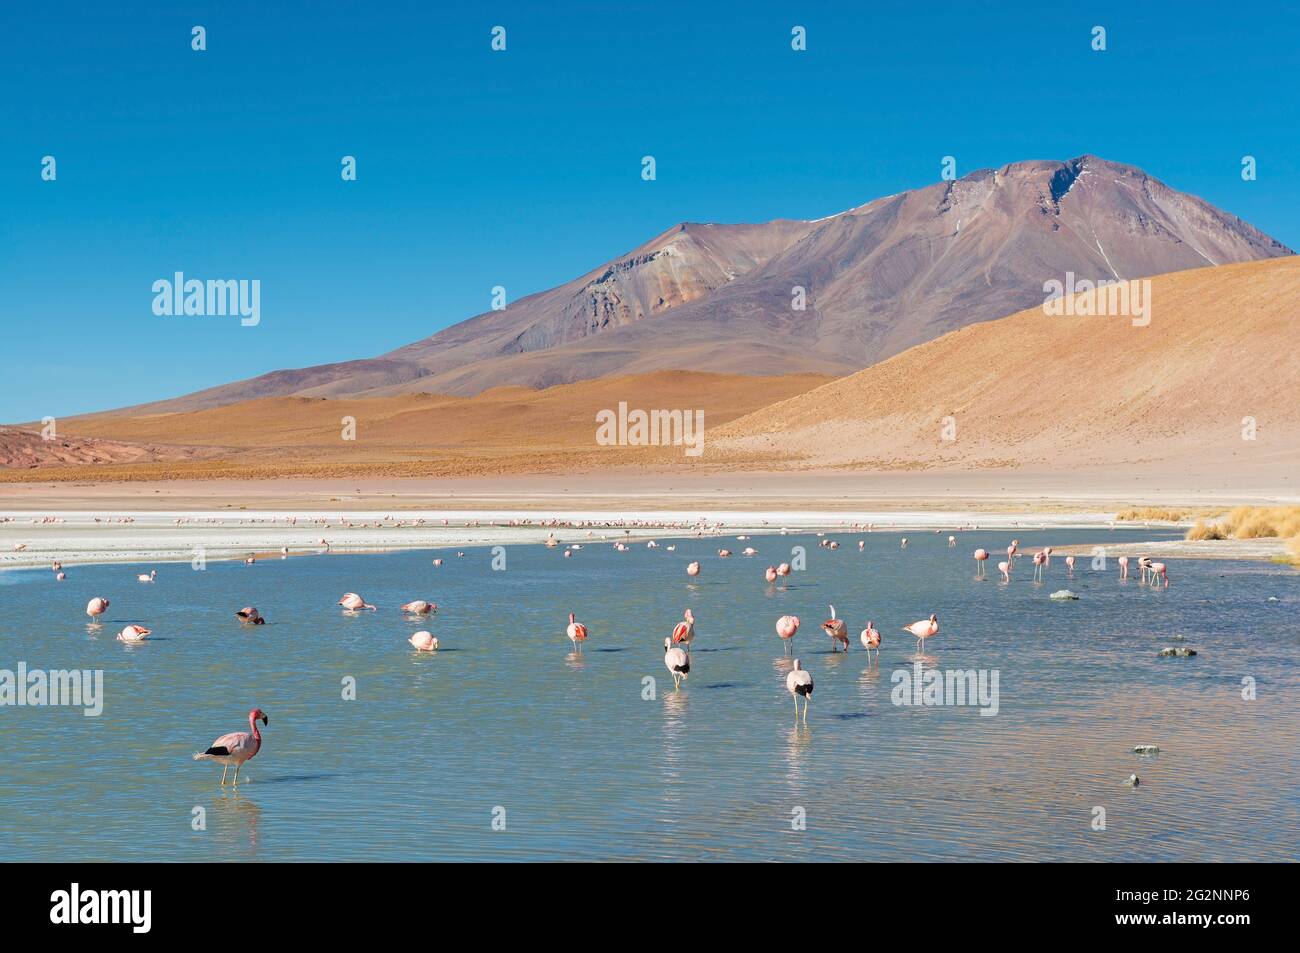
x: 236, y: 780
x: 224, y: 769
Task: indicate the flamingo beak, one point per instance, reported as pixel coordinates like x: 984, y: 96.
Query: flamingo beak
x: 265, y: 719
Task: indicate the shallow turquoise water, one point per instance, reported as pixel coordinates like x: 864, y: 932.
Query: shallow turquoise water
x: 506, y: 716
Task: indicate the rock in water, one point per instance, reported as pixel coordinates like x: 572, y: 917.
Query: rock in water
x: 1146, y: 749
x: 1170, y: 651
x: 1064, y: 594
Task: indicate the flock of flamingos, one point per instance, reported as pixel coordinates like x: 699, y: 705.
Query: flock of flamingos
x: 236, y: 748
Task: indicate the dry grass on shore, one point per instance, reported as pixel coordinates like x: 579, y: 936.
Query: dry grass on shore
x: 1254, y: 522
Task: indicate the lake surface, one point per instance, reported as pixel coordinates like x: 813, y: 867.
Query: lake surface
x: 506, y: 721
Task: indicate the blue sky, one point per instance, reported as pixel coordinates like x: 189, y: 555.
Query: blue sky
x: 522, y: 168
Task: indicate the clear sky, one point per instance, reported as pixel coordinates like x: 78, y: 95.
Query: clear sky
x: 522, y: 168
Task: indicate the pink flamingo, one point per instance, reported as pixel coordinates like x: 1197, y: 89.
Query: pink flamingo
x: 1011, y: 550
x: 925, y: 629
x: 677, y: 662
x: 577, y: 632
x: 786, y: 627
x: 419, y: 607
x: 799, y: 683
x: 150, y: 576
x: 1039, y: 560
x: 1144, y: 565
x: 1047, y: 555
x: 684, y: 631
x: 60, y: 576
x: 1158, y: 569
x: 1005, y: 569
x: 424, y: 641
x: 1123, y: 567
x: 837, y: 630
x: 981, y: 556
x: 1069, y: 565
x: 692, y: 569
x: 351, y: 601
x: 134, y: 633
x: 96, y: 607
x: 250, y: 615
x: 236, y: 747
x: 783, y: 569
x: 770, y: 574
x: 871, y: 640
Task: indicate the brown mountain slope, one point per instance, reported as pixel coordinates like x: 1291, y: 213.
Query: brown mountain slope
x: 26, y: 449
x: 1064, y: 392
x: 507, y: 429
x: 879, y: 279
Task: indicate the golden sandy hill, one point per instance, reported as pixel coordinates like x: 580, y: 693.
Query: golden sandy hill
x: 508, y: 429
x: 1059, y: 393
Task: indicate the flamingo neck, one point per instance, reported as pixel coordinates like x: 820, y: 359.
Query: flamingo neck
x: 257, y: 735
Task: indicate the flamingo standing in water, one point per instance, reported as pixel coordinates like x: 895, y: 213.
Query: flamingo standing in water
x: 692, y: 569
x: 800, y: 683
x: 783, y: 569
x: 424, y: 641
x: 1158, y: 570
x: 576, y: 631
x: 96, y: 607
x: 1005, y: 569
x: 236, y: 747
x: 1123, y: 567
x: 684, y: 631
x: 1069, y: 565
x: 925, y: 629
x: 770, y: 574
x: 786, y: 627
x: 1039, y: 560
x: 838, y: 630
x: 871, y: 640
x: 1047, y: 555
x: 419, y: 607
x: 981, y: 556
x: 1011, y: 550
x: 351, y: 601
x: 250, y: 615
x: 149, y: 576
x: 677, y: 662
x: 134, y: 633
x: 1144, y: 566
